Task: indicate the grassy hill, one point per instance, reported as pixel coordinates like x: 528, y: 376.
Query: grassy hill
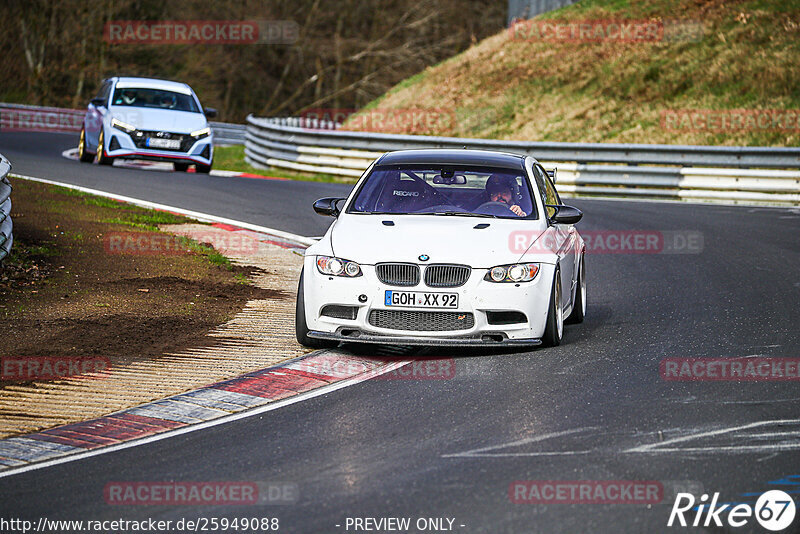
x: 516, y: 85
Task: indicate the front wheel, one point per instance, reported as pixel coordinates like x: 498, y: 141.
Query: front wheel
x: 102, y: 157
x: 83, y: 155
x: 202, y: 169
x: 554, y: 328
x: 181, y: 167
x: 300, y: 326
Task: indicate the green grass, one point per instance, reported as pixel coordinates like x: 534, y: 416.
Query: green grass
x: 36, y: 250
x: 147, y: 220
x: 745, y: 57
x: 205, y: 250
x: 135, y: 217
x: 231, y: 158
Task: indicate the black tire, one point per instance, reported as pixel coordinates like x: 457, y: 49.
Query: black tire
x: 202, y: 169
x: 300, y: 326
x: 84, y: 156
x: 101, y: 156
x: 180, y: 167
x: 579, y: 308
x: 554, y: 331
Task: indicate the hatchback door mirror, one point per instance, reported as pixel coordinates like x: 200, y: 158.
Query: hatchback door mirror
x: 552, y: 174
x: 565, y: 214
x: 98, y: 102
x: 210, y: 112
x: 327, y: 206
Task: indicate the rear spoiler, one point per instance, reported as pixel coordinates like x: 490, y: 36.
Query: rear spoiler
x: 552, y: 174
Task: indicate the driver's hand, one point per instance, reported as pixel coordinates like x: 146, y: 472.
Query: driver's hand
x: 518, y: 211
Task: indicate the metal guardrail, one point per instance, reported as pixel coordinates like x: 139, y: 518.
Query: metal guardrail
x: 6, y: 226
x: 226, y: 133
x: 583, y: 168
x: 24, y: 118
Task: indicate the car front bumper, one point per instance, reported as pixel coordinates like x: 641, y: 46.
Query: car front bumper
x: 201, y: 151
x: 477, y: 297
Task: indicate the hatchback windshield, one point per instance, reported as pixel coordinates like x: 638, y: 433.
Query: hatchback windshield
x: 141, y: 97
x: 452, y: 191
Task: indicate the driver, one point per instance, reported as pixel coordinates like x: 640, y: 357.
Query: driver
x: 500, y: 188
x: 128, y: 97
x: 166, y: 101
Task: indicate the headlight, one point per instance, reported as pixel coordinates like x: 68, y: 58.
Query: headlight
x: 124, y: 126
x: 516, y: 272
x: 338, y: 267
x: 199, y: 134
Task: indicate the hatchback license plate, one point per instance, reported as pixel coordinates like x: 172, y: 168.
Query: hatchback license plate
x: 155, y: 142
x: 413, y: 299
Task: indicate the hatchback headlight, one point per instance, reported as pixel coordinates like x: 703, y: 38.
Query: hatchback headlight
x: 515, y: 272
x: 199, y: 134
x: 124, y: 126
x: 338, y: 267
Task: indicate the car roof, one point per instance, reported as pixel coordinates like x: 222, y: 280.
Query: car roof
x: 154, y: 83
x: 447, y: 156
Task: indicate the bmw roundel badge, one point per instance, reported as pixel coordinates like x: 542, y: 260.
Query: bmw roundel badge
x: 424, y: 257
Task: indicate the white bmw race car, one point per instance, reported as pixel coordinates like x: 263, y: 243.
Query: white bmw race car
x: 445, y: 247
x: 144, y: 118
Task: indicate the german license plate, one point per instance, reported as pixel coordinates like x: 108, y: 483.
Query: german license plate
x: 155, y: 142
x: 414, y: 299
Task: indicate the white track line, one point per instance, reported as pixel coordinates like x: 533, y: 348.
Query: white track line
x: 207, y: 424
x: 205, y: 217
x: 662, y: 445
x: 484, y: 451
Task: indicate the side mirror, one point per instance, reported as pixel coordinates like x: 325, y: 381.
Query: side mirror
x: 327, y: 206
x: 552, y: 174
x: 98, y: 102
x: 565, y: 214
x: 210, y: 112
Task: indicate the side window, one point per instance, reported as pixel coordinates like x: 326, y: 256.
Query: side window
x: 104, y: 91
x: 542, y: 183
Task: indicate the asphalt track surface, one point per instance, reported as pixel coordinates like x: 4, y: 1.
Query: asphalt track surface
x: 595, y: 408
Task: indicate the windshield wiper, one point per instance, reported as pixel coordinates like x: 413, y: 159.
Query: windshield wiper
x: 462, y: 213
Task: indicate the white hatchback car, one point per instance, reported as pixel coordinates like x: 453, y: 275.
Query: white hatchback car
x: 145, y: 118
x: 445, y: 247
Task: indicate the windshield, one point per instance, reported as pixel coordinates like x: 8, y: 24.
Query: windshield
x: 141, y: 97
x: 466, y: 192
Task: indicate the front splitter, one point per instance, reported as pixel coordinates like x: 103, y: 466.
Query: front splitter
x: 362, y: 337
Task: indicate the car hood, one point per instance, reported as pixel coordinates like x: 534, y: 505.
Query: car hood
x: 161, y: 120
x: 445, y: 239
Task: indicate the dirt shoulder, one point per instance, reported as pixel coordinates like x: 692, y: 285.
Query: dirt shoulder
x: 67, y: 291
x: 64, y: 292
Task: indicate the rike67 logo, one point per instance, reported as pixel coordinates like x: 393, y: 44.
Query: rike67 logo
x: 774, y: 510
